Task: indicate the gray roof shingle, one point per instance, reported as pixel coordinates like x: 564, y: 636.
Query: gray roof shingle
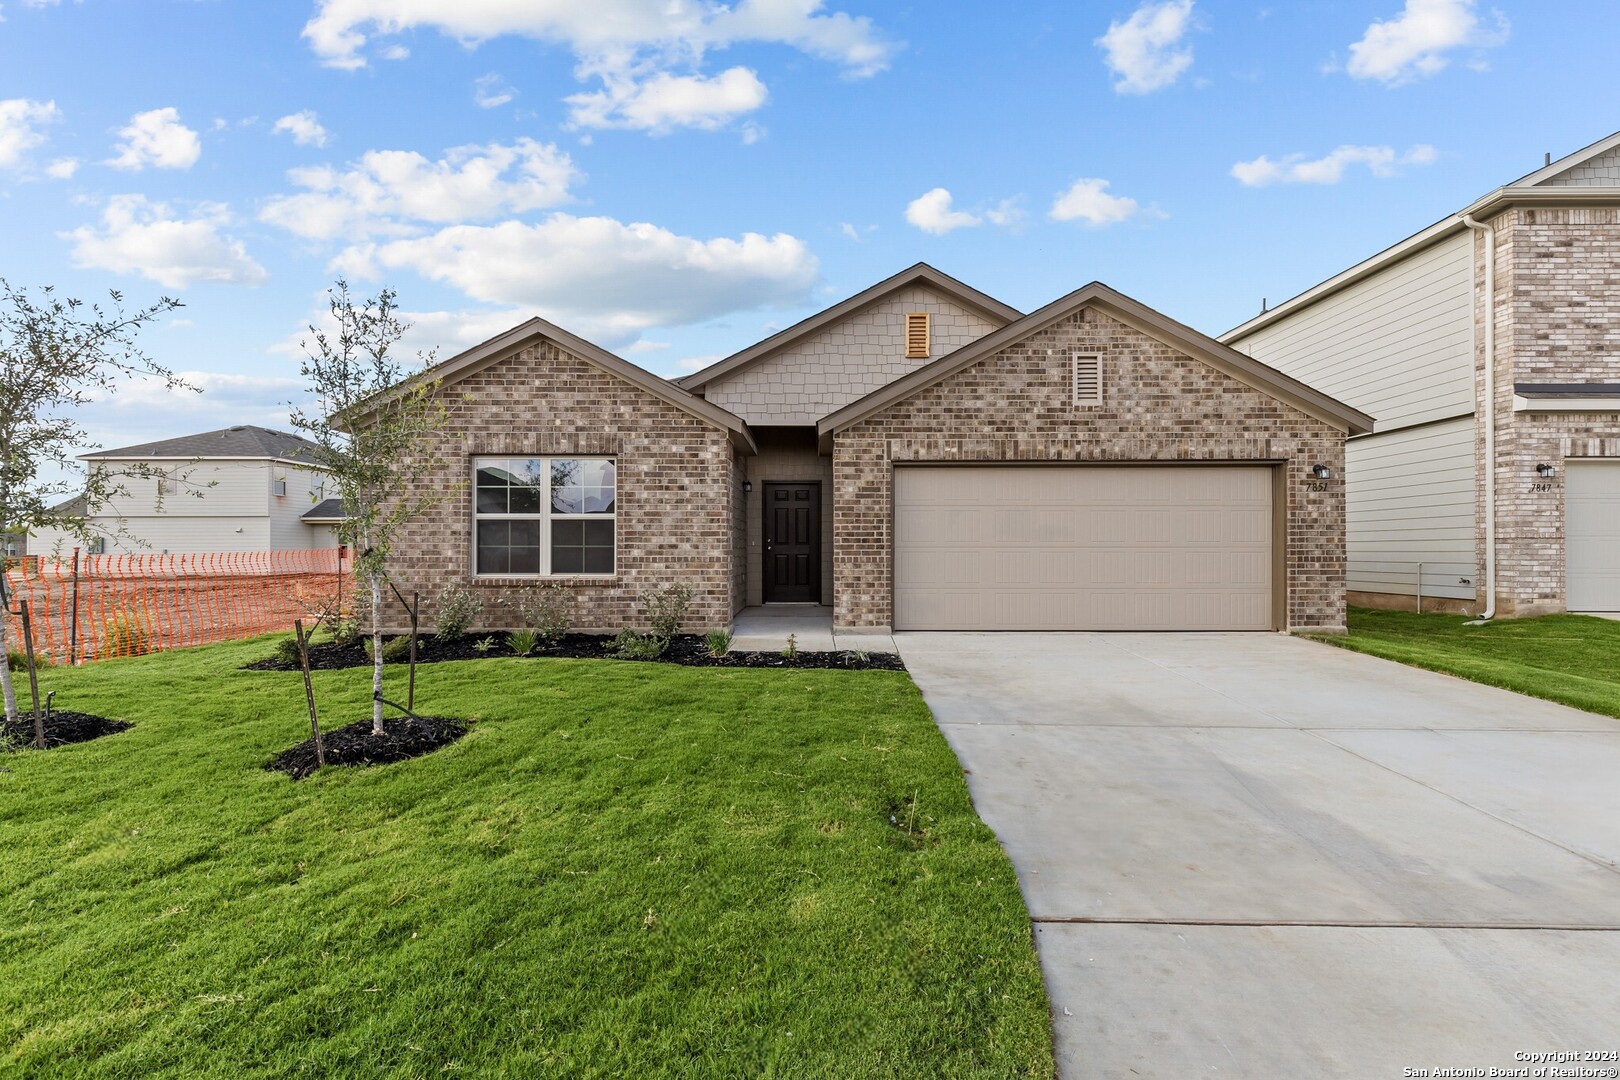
x: 240, y: 441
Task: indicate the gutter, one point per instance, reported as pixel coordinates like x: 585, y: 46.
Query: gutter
x: 1489, y: 233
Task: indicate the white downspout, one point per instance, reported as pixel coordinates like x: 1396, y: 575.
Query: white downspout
x: 1489, y: 232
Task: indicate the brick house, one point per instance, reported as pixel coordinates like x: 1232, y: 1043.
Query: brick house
x: 919, y: 456
x: 1488, y: 347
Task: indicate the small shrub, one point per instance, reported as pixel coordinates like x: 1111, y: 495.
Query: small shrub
x: 547, y: 609
x: 17, y: 660
x: 718, y: 641
x: 345, y: 632
x: 630, y: 645
x: 485, y: 645
x: 123, y: 635
x: 792, y: 649
x: 522, y: 642
x: 666, y: 609
x: 393, y: 649
x: 456, y: 608
x: 861, y: 656
x: 287, y: 652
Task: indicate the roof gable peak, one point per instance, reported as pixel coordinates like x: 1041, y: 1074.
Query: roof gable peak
x: 920, y: 273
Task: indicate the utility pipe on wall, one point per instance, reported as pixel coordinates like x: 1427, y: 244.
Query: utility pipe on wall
x: 1489, y: 233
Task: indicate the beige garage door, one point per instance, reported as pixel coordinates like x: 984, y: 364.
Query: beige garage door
x: 1082, y: 548
x: 1592, y: 536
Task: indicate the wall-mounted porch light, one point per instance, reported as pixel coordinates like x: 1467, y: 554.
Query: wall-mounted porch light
x: 748, y: 486
x: 1321, y: 472
x: 1546, y: 472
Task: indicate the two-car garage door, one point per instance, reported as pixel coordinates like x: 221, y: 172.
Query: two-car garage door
x: 1083, y: 547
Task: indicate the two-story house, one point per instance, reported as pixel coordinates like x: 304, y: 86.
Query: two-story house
x: 1487, y: 348
x: 241, y: 488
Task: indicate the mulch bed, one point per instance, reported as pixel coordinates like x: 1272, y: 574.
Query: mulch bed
x: 61, y: 728
x: 686, y: 649
x: 403, y: 738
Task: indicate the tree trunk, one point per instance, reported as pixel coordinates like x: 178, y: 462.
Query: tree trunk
x: 376, y: 655
x: 9, y: 690
x: 309, y: 694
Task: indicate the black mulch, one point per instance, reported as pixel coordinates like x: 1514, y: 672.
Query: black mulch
x: 687, y: 649
x: 403, y: 738
x: 61, y: 728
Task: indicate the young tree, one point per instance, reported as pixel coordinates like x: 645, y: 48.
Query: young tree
x: 56, y: 356
x: 373, y: 421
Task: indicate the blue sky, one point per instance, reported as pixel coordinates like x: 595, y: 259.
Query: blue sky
x: 676, y: 179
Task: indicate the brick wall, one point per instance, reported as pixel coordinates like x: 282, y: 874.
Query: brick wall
x: 676, y: 501
x: 1557, y: 320
x: 1160, y: 405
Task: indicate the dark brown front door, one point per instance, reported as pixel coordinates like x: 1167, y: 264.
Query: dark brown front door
x: 792, y: 543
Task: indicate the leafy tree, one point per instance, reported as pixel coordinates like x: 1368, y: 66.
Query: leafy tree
x: 373, y: 422
x: 57, y: 355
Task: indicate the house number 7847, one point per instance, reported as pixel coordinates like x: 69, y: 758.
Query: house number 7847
x: 1540, y: 487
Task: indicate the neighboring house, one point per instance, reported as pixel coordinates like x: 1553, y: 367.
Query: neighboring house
x: 920, y: 456
x: 241, y: 488
x: 16, y: 545
x: 1406, y: 336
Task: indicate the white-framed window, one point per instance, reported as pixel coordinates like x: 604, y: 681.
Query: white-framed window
x: 544, y: 517
x: 96, y: 546
x: 278, y: 487
x: 167, y: 484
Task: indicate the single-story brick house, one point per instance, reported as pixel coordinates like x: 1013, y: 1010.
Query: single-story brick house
x: 919, y: 456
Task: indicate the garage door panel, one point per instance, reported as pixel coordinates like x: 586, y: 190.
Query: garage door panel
x: 1592, y: 535
x: 1083, y: 548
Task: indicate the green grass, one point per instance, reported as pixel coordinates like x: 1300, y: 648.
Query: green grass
x: 1570, y: 659
x: 623, y: 870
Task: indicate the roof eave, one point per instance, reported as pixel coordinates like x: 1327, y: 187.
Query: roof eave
x: 480, y: 356
x: 1245, y: 368
x: 1486, y: 206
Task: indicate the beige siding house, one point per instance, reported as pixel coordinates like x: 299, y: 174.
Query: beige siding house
x: 920, y: 456
x: 241, y: 488
x: 1487, y: 348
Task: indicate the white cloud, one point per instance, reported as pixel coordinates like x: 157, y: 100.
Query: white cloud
x: 62, y: 168
x: 141, y: 237
x: 156, y: 138
x: 1006, y: 213
x: 386, y: 189
x: 628, y: 44
x: 220, y: 392
x: 663, y: 102
x: 598, y: 276
x: 931, y: 212
x: 304, y: 127
x: 491, y: 92
x: 21, y: 121
x: 1414, y: 43
x: 1381, y: 161
x: 1145, y: 52
x: 1088, y: 200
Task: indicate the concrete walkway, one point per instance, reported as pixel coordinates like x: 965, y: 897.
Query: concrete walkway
x: 766, y: 629
x: 1250, y: 855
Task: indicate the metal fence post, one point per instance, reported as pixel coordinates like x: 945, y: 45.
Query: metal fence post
x: 73, y: 625
x: 1420, y: 589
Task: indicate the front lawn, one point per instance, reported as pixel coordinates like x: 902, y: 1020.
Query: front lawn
x: 1571, y: 659
x: 628, y: 870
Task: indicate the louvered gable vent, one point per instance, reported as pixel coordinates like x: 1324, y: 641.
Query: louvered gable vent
x: 917, y: 335
x: 1088, y: 388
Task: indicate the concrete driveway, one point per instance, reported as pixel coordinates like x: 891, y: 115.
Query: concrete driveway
x: 1251, y: 855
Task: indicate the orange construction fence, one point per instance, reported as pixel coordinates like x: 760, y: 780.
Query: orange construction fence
x: 96, y: 607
